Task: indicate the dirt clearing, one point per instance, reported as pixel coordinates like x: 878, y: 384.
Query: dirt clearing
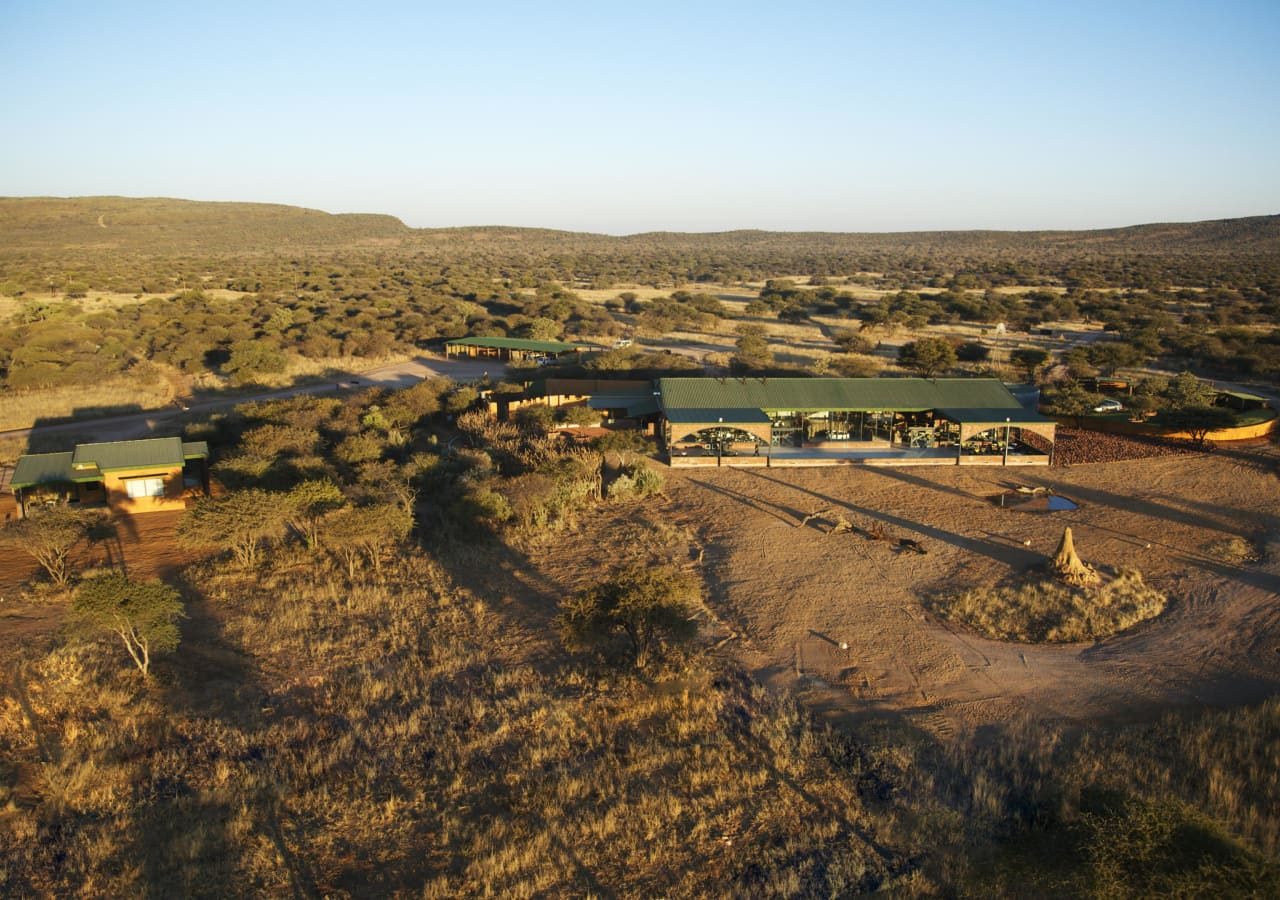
x: 142, y: 545
x: 798, y: 596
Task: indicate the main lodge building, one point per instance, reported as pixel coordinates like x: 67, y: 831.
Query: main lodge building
x: 823, y: 421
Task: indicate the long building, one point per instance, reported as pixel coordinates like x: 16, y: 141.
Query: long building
x: 824, y: 421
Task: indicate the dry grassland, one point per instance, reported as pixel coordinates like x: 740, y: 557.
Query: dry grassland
x: 322, y: 738
x: 23, y: 409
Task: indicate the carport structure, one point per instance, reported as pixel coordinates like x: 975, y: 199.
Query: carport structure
x: 507, y: 349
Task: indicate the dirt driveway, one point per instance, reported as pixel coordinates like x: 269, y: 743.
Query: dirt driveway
x: 795, y: 594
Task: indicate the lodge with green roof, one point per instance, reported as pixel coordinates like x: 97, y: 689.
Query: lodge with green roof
x: 813, y: 421
x: 126, y: 476
x: 510, y: 349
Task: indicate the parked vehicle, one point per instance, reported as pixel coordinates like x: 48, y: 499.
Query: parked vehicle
x: 1108, y: 406
x: 621, y: 342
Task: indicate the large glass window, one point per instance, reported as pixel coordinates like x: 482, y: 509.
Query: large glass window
x: 152, y: 486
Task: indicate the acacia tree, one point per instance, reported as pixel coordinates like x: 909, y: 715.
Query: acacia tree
x: 49, y: 535
x: 927, y: 356
x: 1029, y: 360
x: 645, y: 608
x: 241, y: 521
x: 1188, y: 391
x: 143, y: 614
x: 365, y: 531
x: 1198, y: 421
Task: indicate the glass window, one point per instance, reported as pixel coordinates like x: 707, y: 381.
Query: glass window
x: 145, y: 487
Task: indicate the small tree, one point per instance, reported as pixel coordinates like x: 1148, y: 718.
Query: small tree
x: 143, y: 614
x: 1198, y: 421
x: 927, y: 356
x: 309, y: 501
x: 753, y: 349
x: 851, y: 341
x: 973, y: 351
x: 1186, y: 390
x: 1072, y: 400
x: 1029, y: 360
x: 49, y: 535
x: 644, y: 608
x: 365, y: 531
x: 241, y: 521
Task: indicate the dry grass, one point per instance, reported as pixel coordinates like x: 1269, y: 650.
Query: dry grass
x: 1188, y: 805
x: 1042, y: 609
x: 316, y: 737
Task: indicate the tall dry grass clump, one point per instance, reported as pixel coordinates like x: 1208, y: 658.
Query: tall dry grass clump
x: 1187, y: 805
x: 1045, y: 610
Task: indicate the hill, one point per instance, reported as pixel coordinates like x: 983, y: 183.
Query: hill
x: 164, y: 226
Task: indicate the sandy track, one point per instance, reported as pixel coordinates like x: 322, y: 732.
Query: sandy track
x: 795, y: 594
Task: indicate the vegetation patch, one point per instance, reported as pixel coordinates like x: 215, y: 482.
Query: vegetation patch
x: 1041, y: 609
x: 1234, y: 549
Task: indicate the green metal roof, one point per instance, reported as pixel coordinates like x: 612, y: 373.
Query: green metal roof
x: 987, y: 416
x: 1243, y: 395
x: 41, y: 468
x: 710, y: 395
x: 509, y: 343
x: 645, y: 406
x: 88, y: 461
x: 167, y: 451
x: 727, y: 415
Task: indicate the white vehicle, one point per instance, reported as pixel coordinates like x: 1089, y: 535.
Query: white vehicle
x: 1109, y: 405
x: 621, y: 342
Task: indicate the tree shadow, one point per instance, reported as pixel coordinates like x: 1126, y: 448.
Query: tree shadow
x: 1015, y: 557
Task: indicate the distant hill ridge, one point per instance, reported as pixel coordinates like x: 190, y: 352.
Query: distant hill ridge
x: 160, y: 225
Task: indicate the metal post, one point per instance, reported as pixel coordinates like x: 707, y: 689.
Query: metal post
x: 719, y: 442
x: 1006, y: 440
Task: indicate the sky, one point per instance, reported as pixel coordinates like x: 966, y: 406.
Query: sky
x: 627, y: 117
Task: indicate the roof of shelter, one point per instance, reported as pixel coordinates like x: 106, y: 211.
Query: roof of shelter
x: 1243, y: 395
x: 904, y: 394
x: 724, y: 415
x: 510, y: 343
x: 41, y: 468
x: 167, y: 451
x: 988, y: 416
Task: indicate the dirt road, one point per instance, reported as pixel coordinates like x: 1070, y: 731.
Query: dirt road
x: 399, y: 375
x: 796, y: 594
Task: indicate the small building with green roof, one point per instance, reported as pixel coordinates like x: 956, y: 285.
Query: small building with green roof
x: 140, y: 476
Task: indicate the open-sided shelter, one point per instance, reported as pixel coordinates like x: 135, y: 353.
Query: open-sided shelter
x: 509, y: 349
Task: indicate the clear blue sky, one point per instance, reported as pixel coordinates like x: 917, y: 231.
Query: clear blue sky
x: 623, y: 117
